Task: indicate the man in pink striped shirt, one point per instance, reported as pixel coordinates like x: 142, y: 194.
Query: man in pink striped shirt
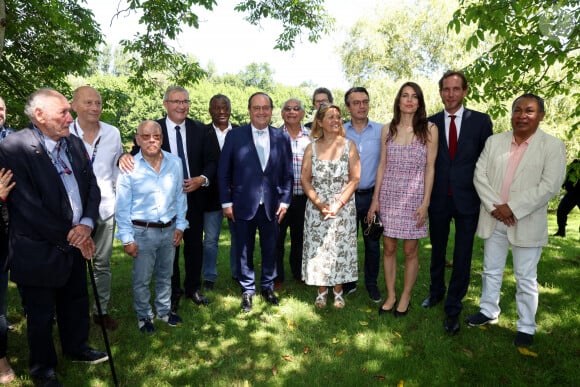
x: 516, y: 175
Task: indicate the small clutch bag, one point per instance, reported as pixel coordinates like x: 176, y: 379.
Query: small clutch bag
x: 374, y: 228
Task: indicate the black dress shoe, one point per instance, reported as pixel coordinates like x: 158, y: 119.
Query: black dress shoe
x: 246, y: 302
x: 90, y: 356
x: 523, y: 339
x: 199, y: 298
x: 269, y: 296
x: 560, y: 233
x: 431, y: 301
x: 451, y: 324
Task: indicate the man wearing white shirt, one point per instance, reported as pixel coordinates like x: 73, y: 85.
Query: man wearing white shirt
x: 103, y: 144
x: 220, y: 109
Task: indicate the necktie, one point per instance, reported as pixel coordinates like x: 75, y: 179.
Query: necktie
x: 260, y: 148
x: 180, y: 151
x: 452, y: 137
x: 63, y: 167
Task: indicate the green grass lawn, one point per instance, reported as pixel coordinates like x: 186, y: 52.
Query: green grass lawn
x: 295, y: 344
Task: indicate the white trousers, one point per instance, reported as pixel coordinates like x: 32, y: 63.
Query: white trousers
x: 525, y: 263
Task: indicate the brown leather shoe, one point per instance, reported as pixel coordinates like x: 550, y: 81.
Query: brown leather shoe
x: 107, y: 321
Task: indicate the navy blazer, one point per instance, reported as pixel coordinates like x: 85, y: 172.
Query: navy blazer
x: 241, y: 180
x: 202, y: 157
x: 212, y: 198
x: 40, y: 211
x: 476, y: 127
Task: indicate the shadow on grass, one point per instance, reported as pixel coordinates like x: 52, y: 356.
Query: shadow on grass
x: 295, y: 344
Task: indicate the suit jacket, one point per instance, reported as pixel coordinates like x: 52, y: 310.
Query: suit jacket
x: 212, y: 199
x: 40, y: 211
x: 202, y: 158
x: 537, y: 179
x: 241, y: 179
x: 476, y: 127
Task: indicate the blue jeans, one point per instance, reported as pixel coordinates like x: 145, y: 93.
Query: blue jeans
x: 156, y: 254
x: 212, y: 225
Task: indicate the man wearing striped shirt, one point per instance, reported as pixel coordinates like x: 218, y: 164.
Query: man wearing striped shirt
x: 292, y: 114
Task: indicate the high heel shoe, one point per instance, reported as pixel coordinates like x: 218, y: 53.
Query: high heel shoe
x: 404, y: 313
x: 385, y: 311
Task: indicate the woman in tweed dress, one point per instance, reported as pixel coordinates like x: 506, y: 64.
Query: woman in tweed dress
x: 405, y: 177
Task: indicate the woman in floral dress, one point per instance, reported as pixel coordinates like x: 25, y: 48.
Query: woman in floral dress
x: 330, y: 176
x: 405, y: 175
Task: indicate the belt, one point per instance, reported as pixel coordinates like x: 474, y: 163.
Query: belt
x: 153, y: 224
x: 365, y: 191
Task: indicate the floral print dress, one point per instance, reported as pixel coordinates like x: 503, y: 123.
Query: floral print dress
x: 330, y: 246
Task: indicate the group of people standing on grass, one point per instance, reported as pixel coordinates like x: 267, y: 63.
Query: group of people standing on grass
x: 66, y: 184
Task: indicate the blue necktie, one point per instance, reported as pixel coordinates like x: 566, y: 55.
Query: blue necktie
x: 180, y: 151
x: 260, y: 148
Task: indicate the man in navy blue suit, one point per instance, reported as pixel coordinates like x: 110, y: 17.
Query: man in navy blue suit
x: 255, y: 186
x: 454, y: 196
x: 53, y: 208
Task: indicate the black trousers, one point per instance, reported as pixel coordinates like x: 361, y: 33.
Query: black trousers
x: 439, y: 226
x: 568, y: 202
x: 71, y: 304
x: 294, y: 220
x: 192, y: 255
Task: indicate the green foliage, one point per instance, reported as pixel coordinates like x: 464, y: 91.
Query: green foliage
x: 294, y: 15
x: 44, y: 42
x: 163, y: 20
x: 404, y: 41
x: 536, y: 50
x: 259, y: 75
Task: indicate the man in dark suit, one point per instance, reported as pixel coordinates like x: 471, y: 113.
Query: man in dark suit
x: 52, y: 212
x: 220, y: 109
x: 199, y: 152
x: 255, y: 186
x: 454, y: 196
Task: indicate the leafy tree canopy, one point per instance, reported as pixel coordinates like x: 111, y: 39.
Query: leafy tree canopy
x: 404, y: 41
x: 42, y: 42
x: 536, y: 50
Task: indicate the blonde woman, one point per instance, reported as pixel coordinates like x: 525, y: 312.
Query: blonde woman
x: 330, y: 176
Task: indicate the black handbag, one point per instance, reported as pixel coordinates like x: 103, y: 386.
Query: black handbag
x: 374, y: 228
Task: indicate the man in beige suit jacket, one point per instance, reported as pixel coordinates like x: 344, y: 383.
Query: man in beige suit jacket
x: 516, y: 175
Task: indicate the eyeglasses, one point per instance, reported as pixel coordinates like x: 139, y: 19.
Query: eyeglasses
x: 179, y: 101
x: 261, y: 108
x: 364, y: 102
x: 148, y: 137
x: 290, y: 108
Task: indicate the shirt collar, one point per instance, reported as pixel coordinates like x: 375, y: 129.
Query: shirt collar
x: 457, y: 114
x: 172, y: 125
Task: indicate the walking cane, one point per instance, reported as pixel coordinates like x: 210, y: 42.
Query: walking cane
x: 100, y: 312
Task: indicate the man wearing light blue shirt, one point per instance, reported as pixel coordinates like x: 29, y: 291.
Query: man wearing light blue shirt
x: 151, y: 208
x: 366, y: 134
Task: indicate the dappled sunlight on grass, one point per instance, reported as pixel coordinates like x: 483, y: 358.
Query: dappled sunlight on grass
x: 296, y: 344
